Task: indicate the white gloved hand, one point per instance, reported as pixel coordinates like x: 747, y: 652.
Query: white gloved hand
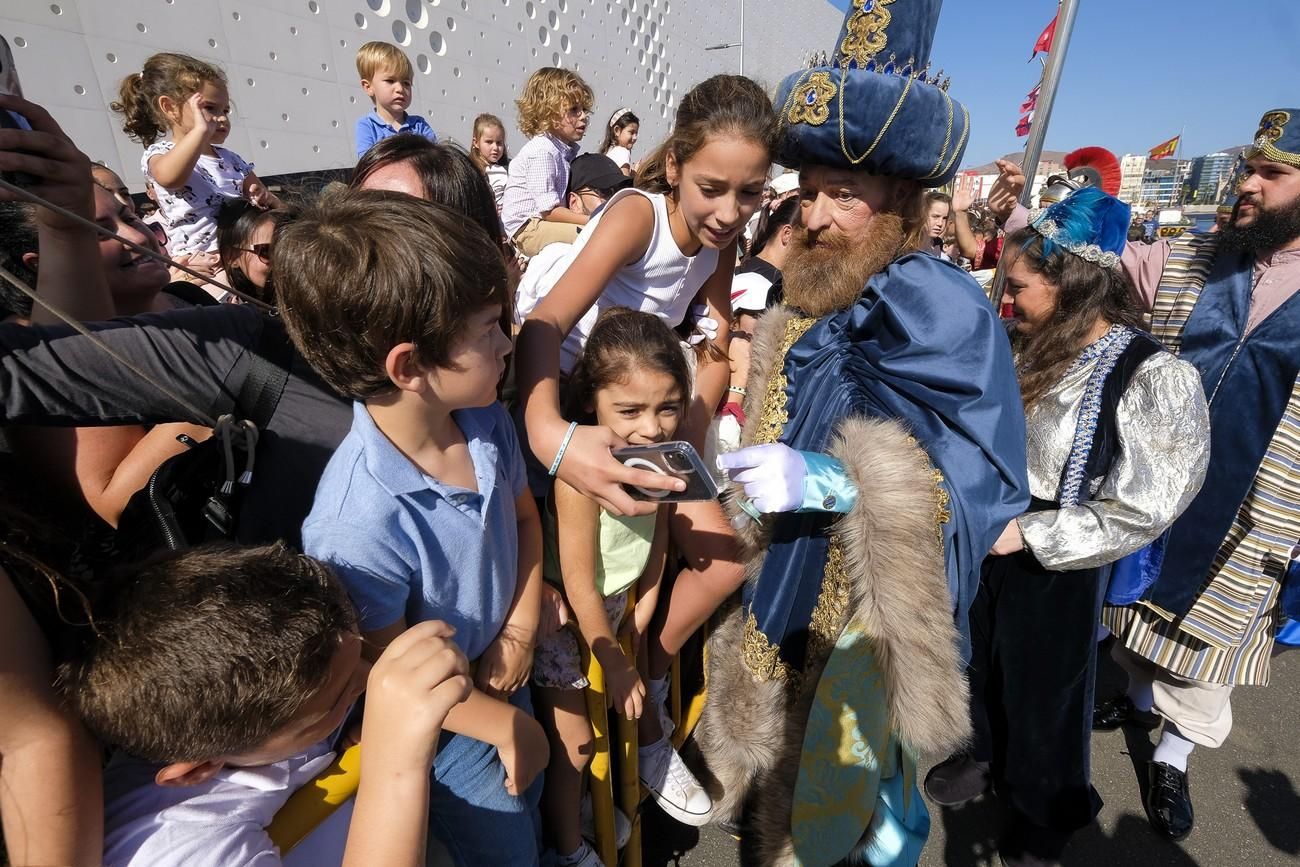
x: 771, y: 475
x: 704, y: 327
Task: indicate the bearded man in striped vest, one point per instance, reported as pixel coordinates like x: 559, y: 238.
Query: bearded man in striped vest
x: 1229, y: 303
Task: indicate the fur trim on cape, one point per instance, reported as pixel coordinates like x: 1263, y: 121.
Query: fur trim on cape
x: 752, y: 733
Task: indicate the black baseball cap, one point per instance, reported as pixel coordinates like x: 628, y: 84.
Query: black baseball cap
x: 596, y: 172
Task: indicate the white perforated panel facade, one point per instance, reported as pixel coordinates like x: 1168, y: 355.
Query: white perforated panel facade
x: 294, y: 85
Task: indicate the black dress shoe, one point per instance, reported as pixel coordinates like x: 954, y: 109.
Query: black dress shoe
x: 1120, y: 711
x: 1169, y: 802
x: 957, y: 780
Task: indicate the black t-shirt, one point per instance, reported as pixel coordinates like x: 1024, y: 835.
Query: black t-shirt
x: 54, y: 376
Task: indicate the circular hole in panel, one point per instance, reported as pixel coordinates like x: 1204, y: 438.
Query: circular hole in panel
x: 519, y: 26
x: 272, y: 55
x: 352, y: 100
x: 334, y: 123
x: 235, y: 15
x: 555, y: 59
x: 530, y: 10
x: 343, y: 43
x: 451, y: 24
x: 455, y: 70
x: 534, y: 52
x: 400, y: 33
x: 264, y: 143
x: 422, y: 63
x: 437, y: 44
x: 626, y: 17
x: 469, y: 52
x: 315, y: 149
x: 139, y: 26
x: 284, y: 115
x: 565, y: 45
x: 78, y: 90
x: 325, y: 67
x: 56, y: 9
x: 544, y: 36
x: 313, y: 7
x: 20, y: 42
x: 444, y: 91
x: 360, y: 20
x: 250, y: 82
x: 464, y: 5
x: 416, y: 13
x: 379, y: 6
x: 306, y: 92
x: 553, y: 19
x: 564, y: 5
x: 212, y: 43
x: 640, y: 57
x: 111, y: 57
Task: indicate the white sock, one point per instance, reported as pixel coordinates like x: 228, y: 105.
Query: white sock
x: 1141, y: 694
x: 575, y: 856
x: 1173, y: 749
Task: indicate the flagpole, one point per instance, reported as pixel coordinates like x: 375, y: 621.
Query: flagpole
x: 1051, y: 79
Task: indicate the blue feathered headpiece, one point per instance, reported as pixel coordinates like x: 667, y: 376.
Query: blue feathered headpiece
x: 874, y: 105
x: 1088, y: 223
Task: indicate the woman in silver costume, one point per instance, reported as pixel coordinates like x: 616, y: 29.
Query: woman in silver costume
x: 1118, y: 444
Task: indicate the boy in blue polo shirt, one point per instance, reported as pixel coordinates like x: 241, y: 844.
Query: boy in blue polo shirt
x: 386, y: 75
x: 424, y: 511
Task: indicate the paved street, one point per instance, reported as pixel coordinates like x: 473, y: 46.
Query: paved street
x: 1247, y: 803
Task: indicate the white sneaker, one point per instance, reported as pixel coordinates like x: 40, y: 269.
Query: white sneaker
x: 585, y: 856
x: 674, y: 787
x: 587, y: 823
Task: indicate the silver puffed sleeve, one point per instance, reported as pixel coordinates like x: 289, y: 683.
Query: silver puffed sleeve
x: 1164, y: 446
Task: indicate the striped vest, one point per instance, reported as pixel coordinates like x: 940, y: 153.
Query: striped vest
x: 1250, y: 562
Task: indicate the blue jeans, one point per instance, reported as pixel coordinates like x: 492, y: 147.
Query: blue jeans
x: 470, y: 811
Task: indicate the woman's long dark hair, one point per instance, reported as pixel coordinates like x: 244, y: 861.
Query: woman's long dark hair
x: 1085, y: 293
x: 771, y: 221
x: 237, y: 219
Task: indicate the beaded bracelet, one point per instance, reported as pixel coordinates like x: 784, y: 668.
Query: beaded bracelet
x: 735, y: 389
x: 559, y: 456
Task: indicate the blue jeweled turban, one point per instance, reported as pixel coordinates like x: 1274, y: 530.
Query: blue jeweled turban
x: 1278, y: 137
x: 875, y: 107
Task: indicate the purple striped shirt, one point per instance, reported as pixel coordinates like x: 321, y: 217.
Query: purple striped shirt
x: 539, y: 176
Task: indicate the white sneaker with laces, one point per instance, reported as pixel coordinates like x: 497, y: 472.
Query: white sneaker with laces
x: 674, y: 787
x: 587, y: 823
x: 585, y: 856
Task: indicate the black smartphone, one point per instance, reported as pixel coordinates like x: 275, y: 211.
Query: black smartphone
x: 676, y: 459
x: 12, y: 119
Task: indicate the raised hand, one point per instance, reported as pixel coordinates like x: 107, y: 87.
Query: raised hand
x: 194, y: 117
x: 1006, y: 190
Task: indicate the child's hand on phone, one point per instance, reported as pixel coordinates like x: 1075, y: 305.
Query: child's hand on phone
x: 415, y: 683
x: 48, y: 162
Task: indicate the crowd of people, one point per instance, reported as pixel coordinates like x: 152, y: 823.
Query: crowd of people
x: 284, y: 474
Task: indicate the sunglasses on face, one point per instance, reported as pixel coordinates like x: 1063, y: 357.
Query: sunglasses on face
x: 261, y: 251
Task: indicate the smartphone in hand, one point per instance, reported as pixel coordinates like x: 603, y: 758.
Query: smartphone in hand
x: 677, y: 459
x: 12, y: 119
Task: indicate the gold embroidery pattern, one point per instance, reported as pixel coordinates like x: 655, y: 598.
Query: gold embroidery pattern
x: 942, y: 514
x: 762, y: 657
x: 773, y: 418
x: 898, y: 106
x: 1270, y: 126
x: 832, y: 609
x: 810, y: 101
x: 865, y: 35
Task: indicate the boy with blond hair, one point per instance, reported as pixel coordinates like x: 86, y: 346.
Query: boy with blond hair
x: 424, y: 509
x: 386, y: 75
x: 553, y: 110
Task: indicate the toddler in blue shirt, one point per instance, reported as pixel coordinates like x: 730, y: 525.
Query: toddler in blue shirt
x: 386, y: 77
x: 424, y: 511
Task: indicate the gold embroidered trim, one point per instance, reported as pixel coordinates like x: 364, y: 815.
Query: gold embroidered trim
x: 773, y: 417
x: 762, y: 657
x: 942, y: 514
x: 810, y: 102
x: 1271, y: 125
x: 898, y: 106
x: 864, y: 32
x: 832, y: 609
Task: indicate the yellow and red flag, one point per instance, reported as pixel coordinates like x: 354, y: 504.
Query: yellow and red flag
x: 1165, y: 150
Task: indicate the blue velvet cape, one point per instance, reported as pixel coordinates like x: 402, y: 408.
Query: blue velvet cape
x: 924, y: 346
x: 1248, y: 389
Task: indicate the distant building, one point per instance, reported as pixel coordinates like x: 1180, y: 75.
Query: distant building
x: 980, y: 179
x: 1132, y: 167
x: 1162, y: 182
x: 1208, y: 176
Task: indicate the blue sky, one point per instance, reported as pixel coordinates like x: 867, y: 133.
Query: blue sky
x: 1136, y: 72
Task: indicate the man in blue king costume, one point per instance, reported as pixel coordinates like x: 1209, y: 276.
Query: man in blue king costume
x: 885, y: 451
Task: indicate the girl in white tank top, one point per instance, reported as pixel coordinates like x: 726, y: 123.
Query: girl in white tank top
x: 664, y: 281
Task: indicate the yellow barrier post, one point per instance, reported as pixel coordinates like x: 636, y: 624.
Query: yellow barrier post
x: 601, y: 783
x: 629, y: 779
x: 310, y: 806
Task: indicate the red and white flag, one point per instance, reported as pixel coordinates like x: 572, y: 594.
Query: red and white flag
x: 1031, y: 101
x: 1044, y: 42
x: 1022, y: 128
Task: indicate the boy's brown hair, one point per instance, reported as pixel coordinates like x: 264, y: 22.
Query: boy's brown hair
x: 208, y: 652
x: 376, y: 57
x: 365, y: 270
x: 548, y: 95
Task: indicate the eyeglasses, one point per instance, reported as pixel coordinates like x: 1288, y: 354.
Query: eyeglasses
x: 261, y: 251
x: 578, y: 112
